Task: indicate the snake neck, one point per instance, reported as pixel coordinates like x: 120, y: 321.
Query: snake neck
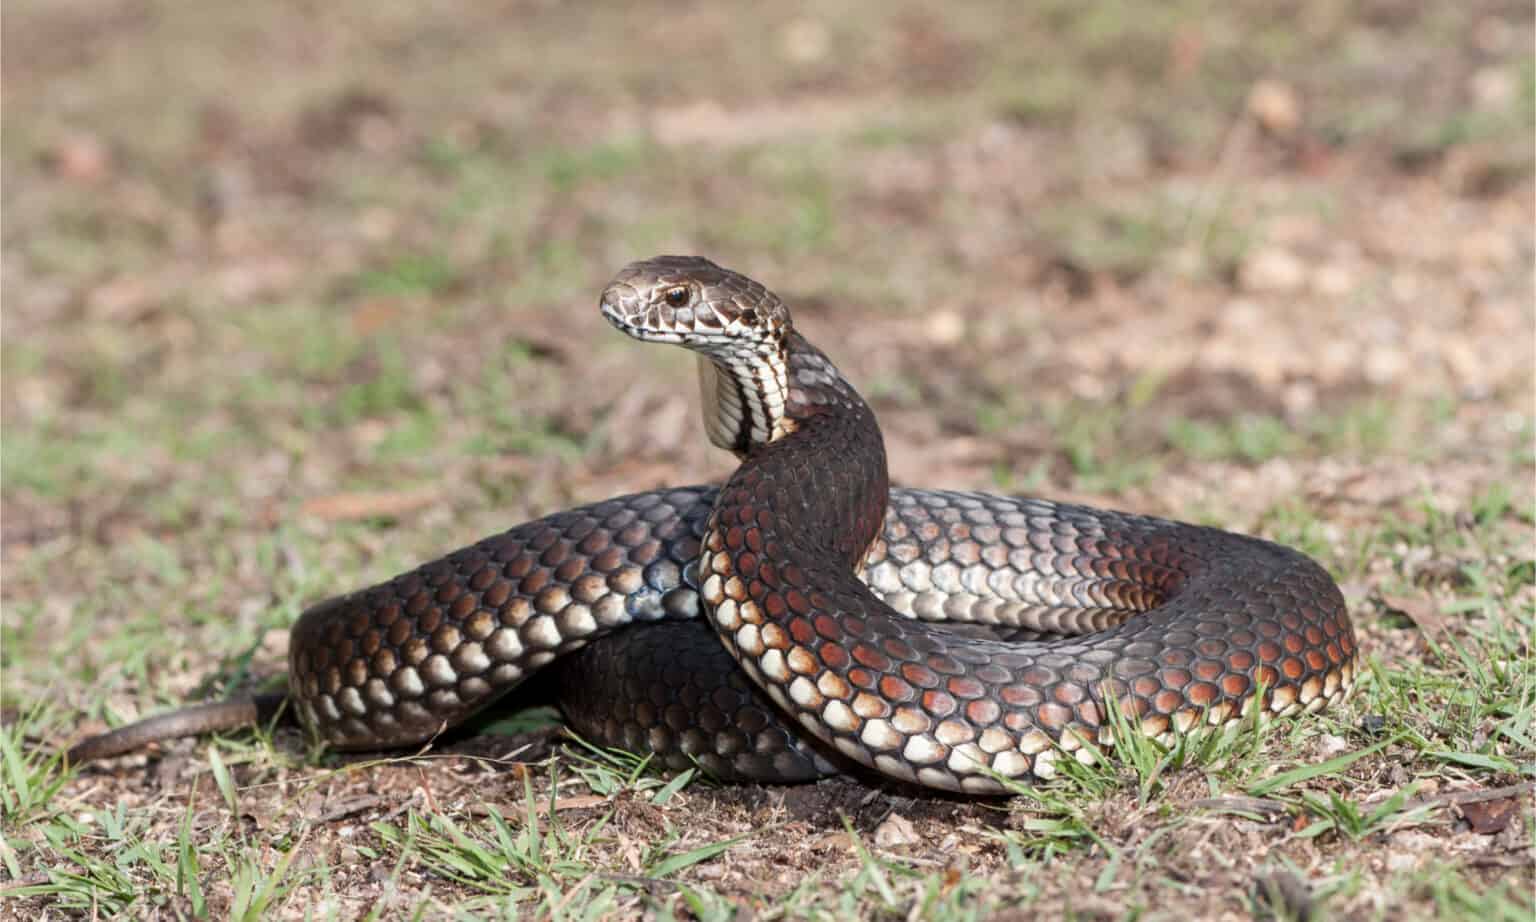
x: 744, y: 400
x: 755, y: 399
x: 821, y: 470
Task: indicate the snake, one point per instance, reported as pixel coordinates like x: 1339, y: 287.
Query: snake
x: 805, y: 617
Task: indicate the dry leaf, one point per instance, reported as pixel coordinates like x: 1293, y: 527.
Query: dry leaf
x: 1421, y: 610
x: 833, y: 840
x: 895, y: 830
x: 1489, y: 817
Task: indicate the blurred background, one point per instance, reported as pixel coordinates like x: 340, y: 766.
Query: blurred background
x: 299, y: 294
x: 278, y: 276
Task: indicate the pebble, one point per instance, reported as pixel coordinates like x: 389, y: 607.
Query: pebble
x: 81, y: 158
x: 1331, y: 745
x: 1276, y: 107
x: 1493, y: 88
x: 804, y: 41
x: 1334, y: 280
x: 895, y: 830
x: 946, y: 328
x: 1272, y: 269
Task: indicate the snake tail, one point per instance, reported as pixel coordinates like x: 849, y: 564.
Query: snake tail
x: 234, y: 714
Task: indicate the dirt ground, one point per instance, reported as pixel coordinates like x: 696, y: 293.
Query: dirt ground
x: 298, y: 295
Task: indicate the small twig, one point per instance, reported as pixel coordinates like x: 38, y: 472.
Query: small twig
x: 350, y: 808
x: 30, y: 880
x: 649, y: 884
x: 1472, y: 797
x: 1265, y: 805
x: 1243, y: 804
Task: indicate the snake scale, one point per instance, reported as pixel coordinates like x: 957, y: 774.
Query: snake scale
x: 804, y: 616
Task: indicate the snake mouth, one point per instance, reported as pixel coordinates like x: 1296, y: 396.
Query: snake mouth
x: 626, y: 324
x: 613, y: 314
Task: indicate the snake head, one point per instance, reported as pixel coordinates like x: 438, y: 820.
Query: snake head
x: 691, y: 302
x: 738, y: 328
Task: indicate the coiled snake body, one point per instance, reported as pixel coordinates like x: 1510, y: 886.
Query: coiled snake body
x: 943, y: 638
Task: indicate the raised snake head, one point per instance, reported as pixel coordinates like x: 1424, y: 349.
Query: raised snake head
x: 735, y: 324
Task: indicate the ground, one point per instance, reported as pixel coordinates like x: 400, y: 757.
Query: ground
x: 298, y: 295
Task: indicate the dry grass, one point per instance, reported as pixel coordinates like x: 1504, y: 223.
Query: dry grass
x: 297, y: 296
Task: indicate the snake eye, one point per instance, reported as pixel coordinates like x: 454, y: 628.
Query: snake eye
x: 749, y: 316
x: 676, y: 297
